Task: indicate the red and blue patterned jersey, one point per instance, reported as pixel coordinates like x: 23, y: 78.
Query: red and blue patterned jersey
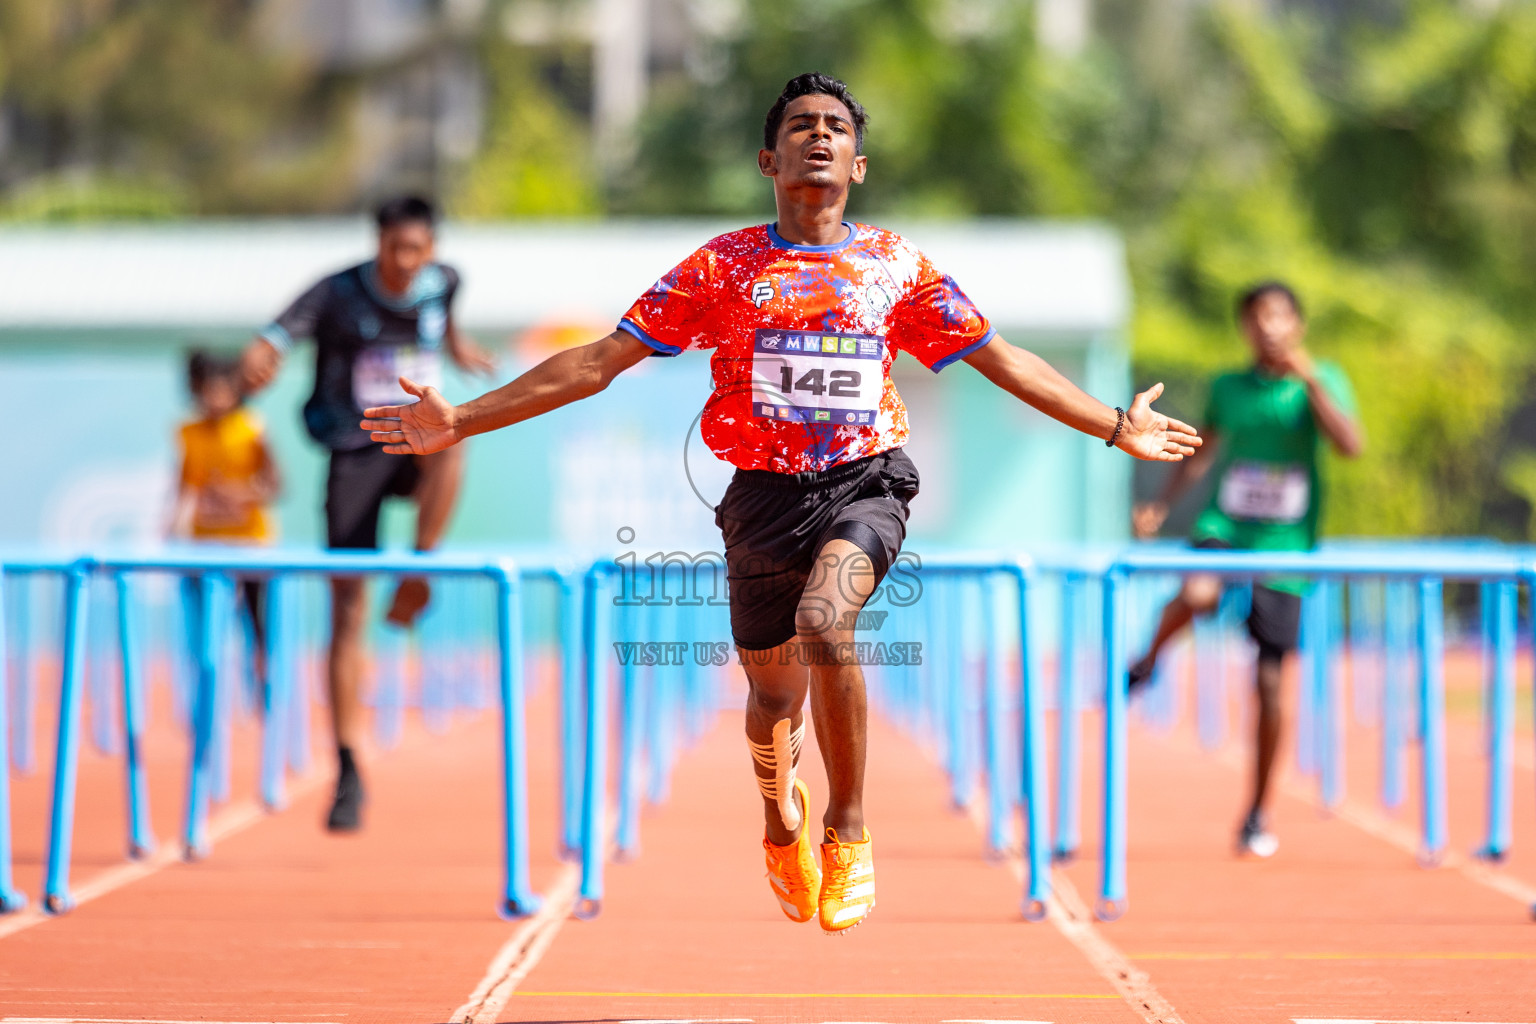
x: 804, y: 337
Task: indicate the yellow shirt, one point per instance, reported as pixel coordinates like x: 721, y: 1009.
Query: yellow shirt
x: 227, y: 450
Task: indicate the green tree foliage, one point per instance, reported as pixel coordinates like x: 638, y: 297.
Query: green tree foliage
x: 537, y: 157
x: 1384, y: 167
x: 958, y: 126
x: 148, y: 109
x: 1390, y: 179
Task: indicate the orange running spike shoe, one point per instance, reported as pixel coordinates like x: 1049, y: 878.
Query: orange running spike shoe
x: 792, y: 869
x: 848, y: 883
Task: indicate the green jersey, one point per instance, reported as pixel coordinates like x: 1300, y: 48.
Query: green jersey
x: 1268, y: 492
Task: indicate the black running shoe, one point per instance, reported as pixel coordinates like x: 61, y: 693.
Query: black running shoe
x: 1139, y: 675
x: 346, y: 809
x: 1254, y: 840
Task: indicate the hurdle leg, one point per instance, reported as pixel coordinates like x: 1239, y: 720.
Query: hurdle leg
x: 1112, y: 892
x: 276, y: 694
x: 23, y: 754
x: 520, y: 900
x: 141, y: 841
x: 205, y: 643
x: 1329, y: 706
x: 1395, y: 706
x: 56, y: 898
x: 10, y: 899
x: 1501, y: 712
x: 1033, y: 775
x: 1432, y: 704
x: 571, y: 753
x: 1068, y: 726
x: 594, y: 808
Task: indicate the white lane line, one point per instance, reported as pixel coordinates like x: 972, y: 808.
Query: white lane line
x: 1065, y: 909
x: 520, y: 953
x: 1070, y: 915
x: 235, y: 818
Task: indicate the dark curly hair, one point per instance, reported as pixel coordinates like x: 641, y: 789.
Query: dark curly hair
x: 405, y: 210
x: 1253, y: 293
x: 204, y: 366
x: 814, y: 83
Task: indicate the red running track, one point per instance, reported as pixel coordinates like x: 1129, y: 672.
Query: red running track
x: 286, y: 923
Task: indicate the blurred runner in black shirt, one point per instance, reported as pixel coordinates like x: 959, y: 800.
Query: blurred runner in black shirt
x: 372, y: 323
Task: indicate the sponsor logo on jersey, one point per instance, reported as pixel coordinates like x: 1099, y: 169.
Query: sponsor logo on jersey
x: 762, y: 293
x: 823, y: 416
x: 878, y: 298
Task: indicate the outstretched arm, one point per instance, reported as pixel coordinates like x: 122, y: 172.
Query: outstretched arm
x: 1146, y: 434
x: 433, y: 424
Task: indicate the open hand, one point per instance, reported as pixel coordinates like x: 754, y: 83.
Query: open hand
x: 421, y: 428
x: 1150, y: 435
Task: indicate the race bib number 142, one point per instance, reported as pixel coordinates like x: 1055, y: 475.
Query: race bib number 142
x: 803, y: 377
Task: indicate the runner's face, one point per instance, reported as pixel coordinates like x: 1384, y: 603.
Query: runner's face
x: 1273, y: 326
x: 403, y: 250
x: 816, y: 146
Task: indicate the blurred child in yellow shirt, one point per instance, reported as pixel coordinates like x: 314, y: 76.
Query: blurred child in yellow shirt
x: 228, y: 477
x: 227, y: 474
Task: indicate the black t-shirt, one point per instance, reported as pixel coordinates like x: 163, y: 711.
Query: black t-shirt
x: 365, y: 340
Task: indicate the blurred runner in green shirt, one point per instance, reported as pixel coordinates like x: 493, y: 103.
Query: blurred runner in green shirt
x: 1266, y: 425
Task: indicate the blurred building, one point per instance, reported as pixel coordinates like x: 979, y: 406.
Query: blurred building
x: 421, y: 95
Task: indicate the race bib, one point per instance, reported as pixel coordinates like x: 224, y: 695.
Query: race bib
x: 376, y: 374
x: 804, y: 377
x: 1265, y: 492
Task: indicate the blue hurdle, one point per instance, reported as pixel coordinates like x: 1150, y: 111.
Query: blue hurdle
x: 215, y: 600
x: 1425, y: 566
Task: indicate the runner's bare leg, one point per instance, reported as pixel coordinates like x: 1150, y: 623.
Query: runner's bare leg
x: 437, y: 492
x: 1198, y: 596
x: 1267, y: 728
x: 839, y: 709
x: 778, y: 681
x: 348, y: 608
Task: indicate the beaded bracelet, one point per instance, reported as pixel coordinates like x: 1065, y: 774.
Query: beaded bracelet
x: 1119, y: 423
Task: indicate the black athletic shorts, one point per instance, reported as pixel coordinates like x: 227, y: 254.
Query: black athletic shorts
x: 774, y: 525
x: 1274, y: 616
x: 355, y: 489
